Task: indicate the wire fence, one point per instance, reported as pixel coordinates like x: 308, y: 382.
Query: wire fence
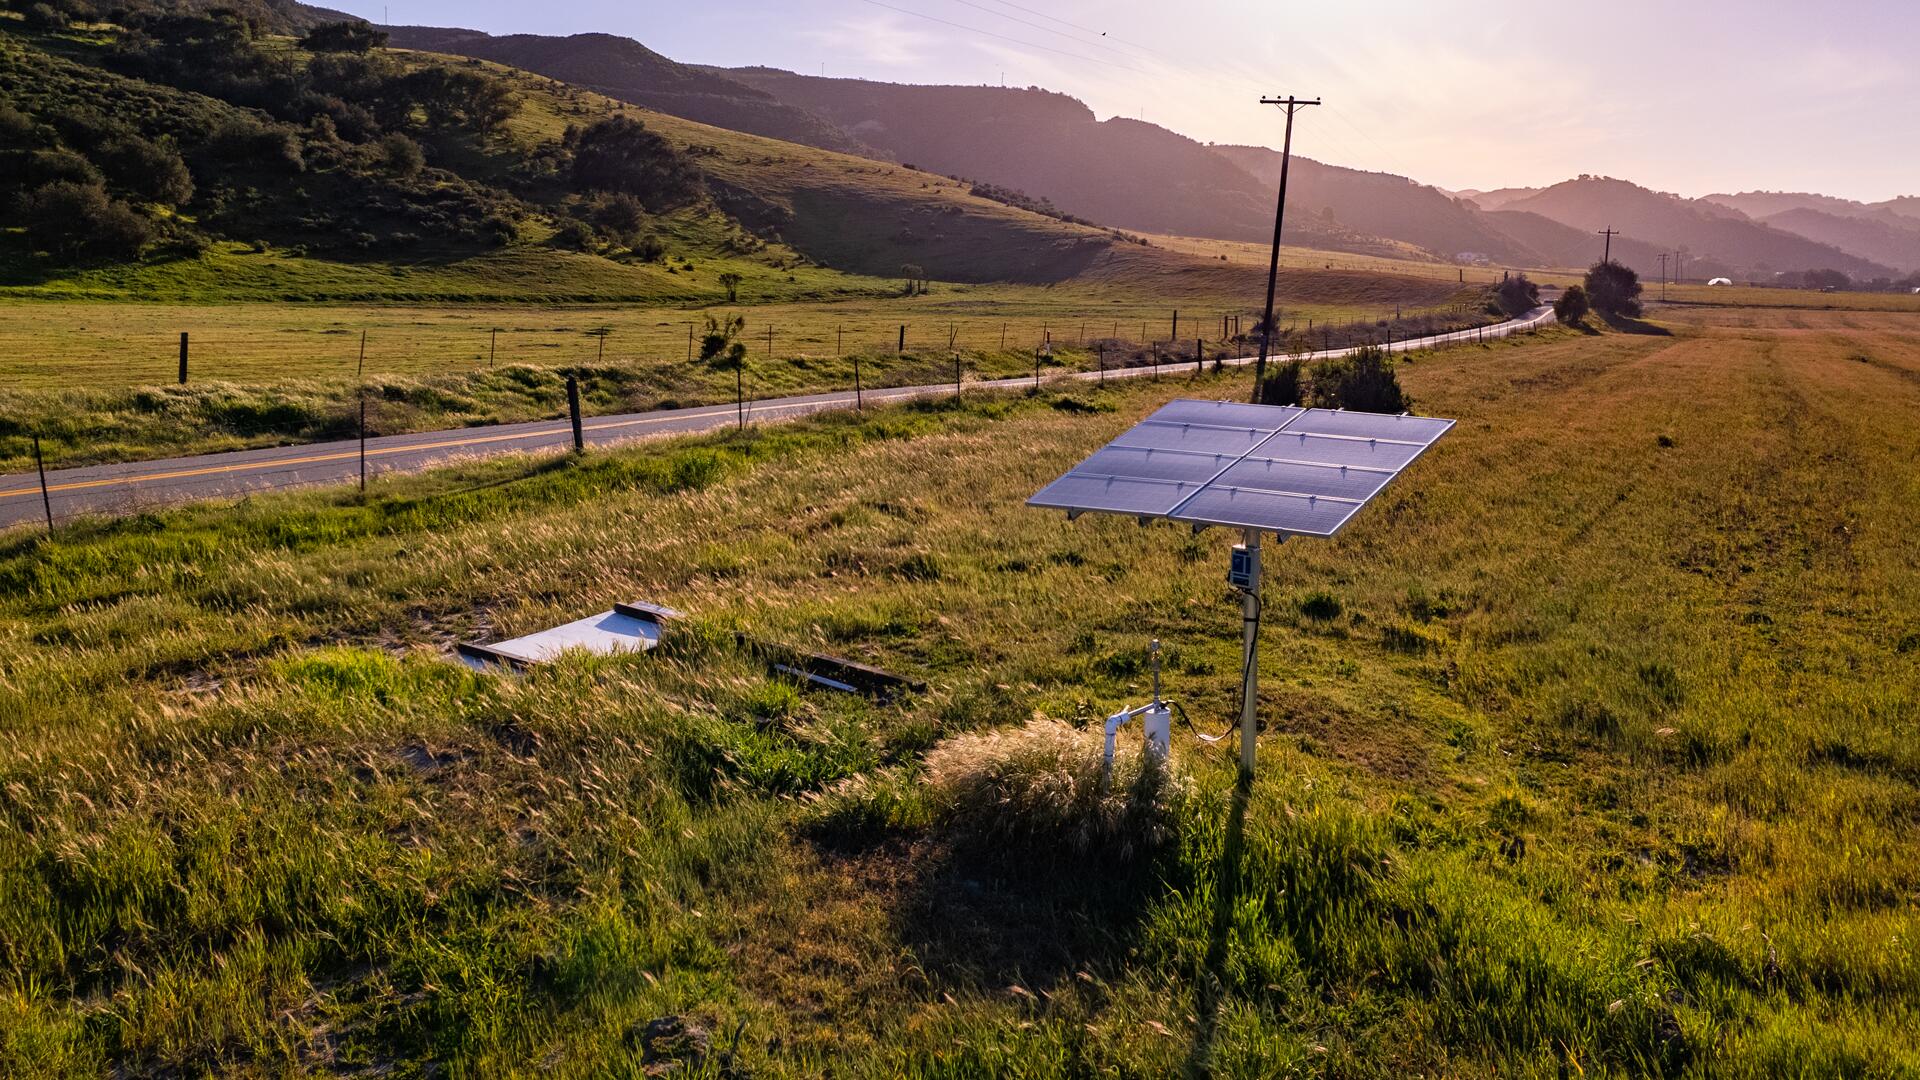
x: 370, y: 434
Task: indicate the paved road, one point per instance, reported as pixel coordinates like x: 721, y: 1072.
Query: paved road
x: 132, y: 487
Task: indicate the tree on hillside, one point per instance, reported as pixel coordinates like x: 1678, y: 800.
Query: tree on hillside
x: 730, y: 281
x: 451, y: 98
x: 353, y: 36
x: 1572, y: 306
x: 1614, y: 290
x: 150, y: 170
x: 70, y: 219
x: 620, y: 154
x: 1516, y: 295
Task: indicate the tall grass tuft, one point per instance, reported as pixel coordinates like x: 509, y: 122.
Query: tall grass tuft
x: 1040, y: 789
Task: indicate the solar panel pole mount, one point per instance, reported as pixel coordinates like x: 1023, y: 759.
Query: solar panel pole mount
x: 1257, y: 468
x: 1249, y: 553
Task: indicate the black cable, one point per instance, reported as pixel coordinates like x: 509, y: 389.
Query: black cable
x: 1252, y: 653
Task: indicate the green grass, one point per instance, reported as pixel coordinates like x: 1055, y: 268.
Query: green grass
x: 1587, y: 751
x: 90, y: 375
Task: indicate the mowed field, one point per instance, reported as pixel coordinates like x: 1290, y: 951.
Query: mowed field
x: 96, y: 381
x: 1589, y: 750
x: 87, y: 345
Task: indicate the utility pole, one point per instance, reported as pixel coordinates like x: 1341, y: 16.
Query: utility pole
x: 1292, y: 105
x: 1609, y: 234
x: 1663, y: 276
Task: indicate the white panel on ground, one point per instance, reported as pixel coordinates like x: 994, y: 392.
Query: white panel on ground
x: 605, y: 634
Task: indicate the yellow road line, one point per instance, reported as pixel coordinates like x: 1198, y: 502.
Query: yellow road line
x: 344, y: 455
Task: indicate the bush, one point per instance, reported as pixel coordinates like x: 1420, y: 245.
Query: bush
x: 61, y: 166
x: 619, y: 215
x: 17, y: 129
x: 353, y: 36
x: 574, y: 235
x: 620, y: 154
x: 44, y: 17
x: 153, y: 171
x: 1614, y: 289
x: 650, y: 249
x: 1366, y: 381
x: 1039, y: 790
x: 249, y: 142
x: 1572, y: 305
x: 70, y: 220
x: 401, y: 156
x: 1516, y: 295
x: 1283, y: 386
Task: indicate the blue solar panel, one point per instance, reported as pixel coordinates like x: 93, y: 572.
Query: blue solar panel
x: 1364, y: 425
x: 1302, y: 515
x: 1288, y: 470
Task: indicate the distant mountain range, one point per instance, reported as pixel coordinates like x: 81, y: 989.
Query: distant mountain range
x: 1052, y: 149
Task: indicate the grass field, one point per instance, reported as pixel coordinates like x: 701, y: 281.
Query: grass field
x: 92, y: 379
x: 1588, y: 751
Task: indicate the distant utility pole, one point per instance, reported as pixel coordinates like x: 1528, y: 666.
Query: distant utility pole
x: 1663, y: 276
x: 1609, y: 234
x: 1292, y: 105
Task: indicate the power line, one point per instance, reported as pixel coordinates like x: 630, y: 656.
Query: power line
x: 1037, y: 26
x: 1075, y: 25
x: 1003, y: 37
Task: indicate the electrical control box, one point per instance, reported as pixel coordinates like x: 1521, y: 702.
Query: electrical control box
x: 1244, y: 572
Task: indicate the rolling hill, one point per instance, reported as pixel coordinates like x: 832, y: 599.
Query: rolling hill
x: 1717, y: 238
x: 1383, y: 204
x: 1884, y: 237
x: 625, y: 69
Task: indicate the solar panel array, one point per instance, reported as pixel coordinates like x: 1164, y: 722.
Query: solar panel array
x: 1301, y: 472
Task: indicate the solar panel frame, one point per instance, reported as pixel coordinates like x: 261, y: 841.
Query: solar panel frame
x: 1282, y: 469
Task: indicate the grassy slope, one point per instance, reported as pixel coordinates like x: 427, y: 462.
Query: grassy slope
x: 1586, y: 751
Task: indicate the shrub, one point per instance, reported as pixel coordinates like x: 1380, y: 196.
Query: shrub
x: 44, y: 17
x: 574, y: 235
x: 1283, y: 386
x: 1572, y: 305
x: 620, y: 154
x: 1516, y: 295
x: 70, y: 219
x: 619, y: 215
x: 1365, y: 380
x: 352, y: 36
x: 1613, y: 289
x: 60, y: 166
x: 17, y: 128
x: 1039, y: 790
x: 153, y: 171
x: 249, y: 142
x: 650, y: 249
x: 401, y: 156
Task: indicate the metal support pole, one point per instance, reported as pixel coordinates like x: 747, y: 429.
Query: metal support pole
x: 740, y: 389
x: 40, y: 466
x: 1249, y: 687
x: 573, y: 410
x: 1199, y: 357
x: 183, y: 358
x: 901, y: 349
x: 493, y: 344
x: 363, y: 440
x: 859, y: 403
x: 1101, y: 350
x: 956, y: 374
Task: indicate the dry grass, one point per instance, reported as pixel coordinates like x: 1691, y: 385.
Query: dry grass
x: 1585, y: 749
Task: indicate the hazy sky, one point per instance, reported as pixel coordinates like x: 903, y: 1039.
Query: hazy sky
x: 1685, y: 96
